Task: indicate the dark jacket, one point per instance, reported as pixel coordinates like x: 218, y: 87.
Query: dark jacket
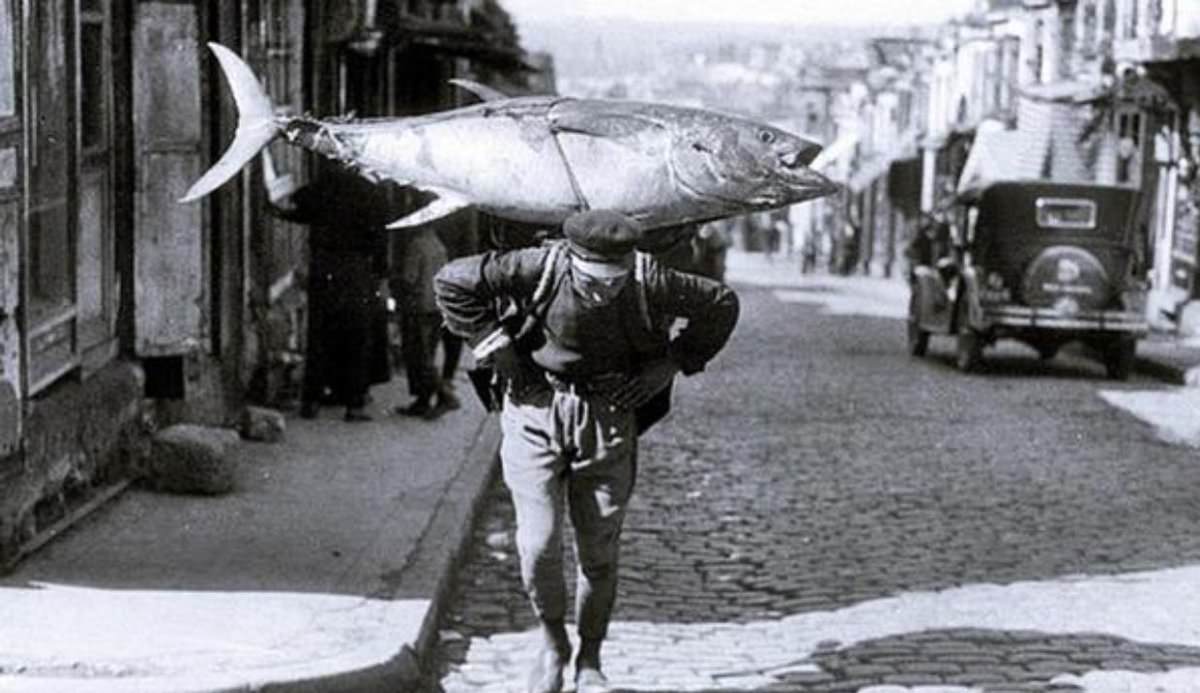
x: 578, y: 339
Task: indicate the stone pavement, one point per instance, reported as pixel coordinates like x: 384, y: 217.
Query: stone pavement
x: 1068, y: 630
x: 322, y: 571
x: 890, y: 526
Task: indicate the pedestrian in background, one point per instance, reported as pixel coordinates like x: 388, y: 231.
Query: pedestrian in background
x: 459, y: 233
x: 421, y: 324
x: 599, y: 350
x: 346, y: 341
x: 711, y: 245
x: 672, y: 246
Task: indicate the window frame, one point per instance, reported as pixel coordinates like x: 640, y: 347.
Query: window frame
x: 49, y: 335
x: 60, y: 340
x: 1043, y: 203
x: 1131, y: 124
x: 11, y: 22
x: 277, y: 56
x: 97, y: 335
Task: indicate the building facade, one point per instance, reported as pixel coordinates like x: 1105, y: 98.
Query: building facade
x: 1159, y: 41
x: 1094, y: 91
x: 121, y: 310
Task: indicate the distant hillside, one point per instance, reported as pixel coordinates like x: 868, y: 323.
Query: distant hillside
x: 597, y: 47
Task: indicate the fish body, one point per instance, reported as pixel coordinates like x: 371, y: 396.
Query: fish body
x: 539, y: 159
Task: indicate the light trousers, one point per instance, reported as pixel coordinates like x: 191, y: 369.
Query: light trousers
x: 561, y: 447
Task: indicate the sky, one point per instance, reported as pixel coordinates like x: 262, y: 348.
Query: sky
x: 749, y: 11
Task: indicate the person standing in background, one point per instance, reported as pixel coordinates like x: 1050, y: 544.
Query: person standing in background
x: 674, y: 247
x: 345, y: 350
x: 459, y: 233
x: 421, y: 323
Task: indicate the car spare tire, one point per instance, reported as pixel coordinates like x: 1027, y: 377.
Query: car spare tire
x: 1066, y: 274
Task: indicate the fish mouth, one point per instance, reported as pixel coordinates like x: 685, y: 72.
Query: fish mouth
x: 794, y: 167
x: 790, y: 186
x: 799, y: 157
x: 809, y: 183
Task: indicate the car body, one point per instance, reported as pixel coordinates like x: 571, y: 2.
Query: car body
x: 1042, y: 262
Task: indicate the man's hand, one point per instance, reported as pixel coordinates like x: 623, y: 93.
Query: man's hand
x: 640, y: 388
x: 509, y: 364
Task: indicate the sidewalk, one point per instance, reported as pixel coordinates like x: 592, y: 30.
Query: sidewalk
x: 1170, y: 358
x: 1160, y: 355
x: 323, y: 571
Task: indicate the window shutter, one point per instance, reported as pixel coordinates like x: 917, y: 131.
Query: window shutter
x: 170, y: 253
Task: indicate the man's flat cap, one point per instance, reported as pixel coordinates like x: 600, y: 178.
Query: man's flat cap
x: 601, y: 235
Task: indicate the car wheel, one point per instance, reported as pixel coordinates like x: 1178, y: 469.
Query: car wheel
x: 968, y: 357
x: 1119, y: 357
x: 918, y: 339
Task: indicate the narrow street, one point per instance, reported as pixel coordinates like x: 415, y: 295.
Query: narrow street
x: 823, y: 512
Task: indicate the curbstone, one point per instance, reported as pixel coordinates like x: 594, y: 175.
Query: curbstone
x: 262, y: 424
x: 1166, y: 372
x: 451, y: 526
x: 186, y: 458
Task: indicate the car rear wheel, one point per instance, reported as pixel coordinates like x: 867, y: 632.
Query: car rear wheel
x: 1119, y: 357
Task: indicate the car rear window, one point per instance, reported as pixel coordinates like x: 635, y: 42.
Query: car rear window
x: 1066, y: 213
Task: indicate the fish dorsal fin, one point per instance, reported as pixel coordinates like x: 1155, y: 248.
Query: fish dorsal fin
x: 484, y: 92
x: 446, y: 203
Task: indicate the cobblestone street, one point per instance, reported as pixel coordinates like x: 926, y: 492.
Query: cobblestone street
x: 822, y: 512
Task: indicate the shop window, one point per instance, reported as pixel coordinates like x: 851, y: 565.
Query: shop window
x: 1037, y: 58
x: 8, y: 100
x: 1129, y: 147
x: 279, y: 62
x: 70, y: 288
x: 93, y: 64
x: 96, y: 275
x: 50, y: 283
x: 1090, y: 28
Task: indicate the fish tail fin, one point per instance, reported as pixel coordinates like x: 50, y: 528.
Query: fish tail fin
x: 257, y: 124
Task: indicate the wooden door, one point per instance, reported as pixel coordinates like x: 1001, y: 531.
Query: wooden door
x: 170, y: 249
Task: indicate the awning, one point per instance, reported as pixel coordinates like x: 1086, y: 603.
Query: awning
x: 372, y: 24
x: 459, y: 40
x: 999, y: 154
x: 840, y: 151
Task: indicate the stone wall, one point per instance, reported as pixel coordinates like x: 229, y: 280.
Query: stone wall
x: 78, y: 437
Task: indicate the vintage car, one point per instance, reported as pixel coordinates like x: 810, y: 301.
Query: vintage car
x: 1041, y: 262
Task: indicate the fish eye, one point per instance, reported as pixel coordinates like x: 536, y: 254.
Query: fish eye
x: 766, y: 136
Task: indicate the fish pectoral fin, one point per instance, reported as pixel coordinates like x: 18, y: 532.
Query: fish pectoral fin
x: 446, y: 203
x: 483, y: 91
x: 570, y: 118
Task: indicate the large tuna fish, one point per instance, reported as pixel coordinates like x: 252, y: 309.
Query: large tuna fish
x: 539, y: 159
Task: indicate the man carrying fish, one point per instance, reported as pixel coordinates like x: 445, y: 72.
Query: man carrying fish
x: 598, y: 349
x: 601, y: 349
